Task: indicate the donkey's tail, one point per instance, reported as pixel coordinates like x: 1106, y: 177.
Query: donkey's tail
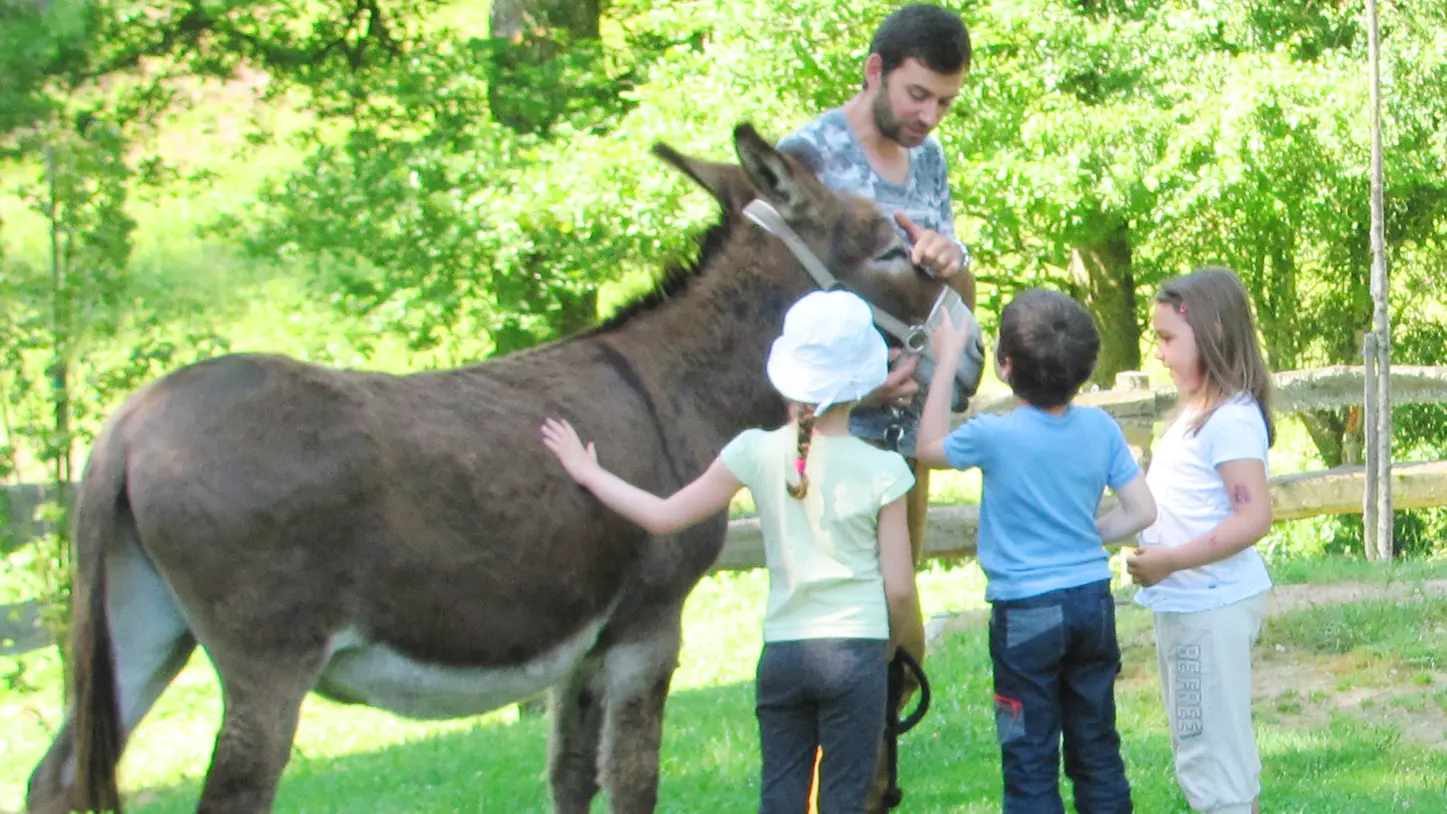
x: 99, y: 736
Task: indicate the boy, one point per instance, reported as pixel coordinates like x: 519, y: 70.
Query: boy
x: 1045, y: 467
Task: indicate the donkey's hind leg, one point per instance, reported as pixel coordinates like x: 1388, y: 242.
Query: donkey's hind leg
x: 263, y: 694
x: 150, y: 643
x: 637, y: 672
x: 577, y: 726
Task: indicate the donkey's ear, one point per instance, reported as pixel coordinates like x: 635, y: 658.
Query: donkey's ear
x: 773, y: 174
x: 726, y: 182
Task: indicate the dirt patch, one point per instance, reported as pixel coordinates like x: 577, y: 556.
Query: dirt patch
x: 1293, y: 598
x: 1305, y: 691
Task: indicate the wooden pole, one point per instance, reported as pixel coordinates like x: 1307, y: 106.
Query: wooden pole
x: 1378, y: 508
x: 1369, y: 425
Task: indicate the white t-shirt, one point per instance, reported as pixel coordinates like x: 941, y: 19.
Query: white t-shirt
x: 1191, y: 500
x: 822, y: 551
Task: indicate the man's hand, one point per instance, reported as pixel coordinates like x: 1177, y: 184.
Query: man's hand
x: 932, y: 250
x: 900, y: 386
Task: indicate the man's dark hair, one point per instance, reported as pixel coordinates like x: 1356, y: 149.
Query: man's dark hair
x: 926, y: 32
x: 1052, y: 345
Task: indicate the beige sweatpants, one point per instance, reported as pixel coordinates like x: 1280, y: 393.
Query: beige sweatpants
x: 1205, y: 664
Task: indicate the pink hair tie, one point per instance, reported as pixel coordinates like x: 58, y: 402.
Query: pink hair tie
x: 799, y: 465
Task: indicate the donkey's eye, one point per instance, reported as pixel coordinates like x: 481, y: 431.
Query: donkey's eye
x: 895, y: 252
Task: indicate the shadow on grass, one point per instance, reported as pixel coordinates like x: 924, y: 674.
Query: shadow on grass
x: 708, y: 764
x: 949, y: 764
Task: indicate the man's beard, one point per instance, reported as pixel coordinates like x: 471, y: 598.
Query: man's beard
x: 889, y: 124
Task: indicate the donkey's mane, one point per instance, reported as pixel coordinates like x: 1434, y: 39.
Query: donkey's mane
x: 676, y: 278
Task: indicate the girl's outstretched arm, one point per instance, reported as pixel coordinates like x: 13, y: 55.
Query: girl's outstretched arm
x: 706, y: 496
x: 1250, y: 519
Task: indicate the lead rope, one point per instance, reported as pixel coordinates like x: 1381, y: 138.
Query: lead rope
x: 894, y: 726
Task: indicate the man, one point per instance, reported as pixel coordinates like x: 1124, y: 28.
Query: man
x: 878, y: 145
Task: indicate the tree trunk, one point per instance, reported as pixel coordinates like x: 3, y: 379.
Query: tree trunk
x: 527, y: 34
x: 1327, y: 431
x: 1105, y: 281
x: 576, y: 314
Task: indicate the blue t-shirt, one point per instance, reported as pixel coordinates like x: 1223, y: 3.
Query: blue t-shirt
x: 1044, y: 476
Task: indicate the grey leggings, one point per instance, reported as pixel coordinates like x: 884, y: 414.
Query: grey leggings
x: 820, y: 692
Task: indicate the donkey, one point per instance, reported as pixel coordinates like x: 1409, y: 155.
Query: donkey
x: 404, y: 542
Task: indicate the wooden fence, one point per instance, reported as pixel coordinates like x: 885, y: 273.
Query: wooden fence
x: 952, y: 530
x: 1138, y: 408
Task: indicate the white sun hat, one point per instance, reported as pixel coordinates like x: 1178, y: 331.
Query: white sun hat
x: 830, y: 352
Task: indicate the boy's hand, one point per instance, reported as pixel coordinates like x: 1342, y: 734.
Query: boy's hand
x: 560, y: 437
x: 1150, y: 565
x: 948, y: 341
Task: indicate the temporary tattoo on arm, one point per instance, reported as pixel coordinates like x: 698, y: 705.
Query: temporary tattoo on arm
x: 1242, y: 494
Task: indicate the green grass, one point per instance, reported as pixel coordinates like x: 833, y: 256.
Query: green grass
x: 1323, y: 570
x: 1414, y: 635
x: 357, y: 759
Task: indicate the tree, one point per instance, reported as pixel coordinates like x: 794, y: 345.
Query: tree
x: 1280, y: 189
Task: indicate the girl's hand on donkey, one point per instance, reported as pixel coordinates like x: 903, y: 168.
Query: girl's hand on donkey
x: 560, y: 437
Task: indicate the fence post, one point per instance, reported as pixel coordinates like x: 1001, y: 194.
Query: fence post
x: 1378, y: 379
x: 1137, y: 434
x: 1370, y: 542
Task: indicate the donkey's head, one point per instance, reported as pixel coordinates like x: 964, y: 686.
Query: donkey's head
x: 838, y: 239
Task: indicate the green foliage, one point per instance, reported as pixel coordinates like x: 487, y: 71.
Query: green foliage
x: 40, y: 43
x: 453, y: 194
x: 81, y: 196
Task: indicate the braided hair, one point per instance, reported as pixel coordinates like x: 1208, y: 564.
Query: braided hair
x: 801, y: 455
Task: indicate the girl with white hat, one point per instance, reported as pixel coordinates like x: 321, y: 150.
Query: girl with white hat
x: 841, y: 581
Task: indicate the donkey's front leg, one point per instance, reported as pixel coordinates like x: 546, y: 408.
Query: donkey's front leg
x: 637, y: 673
x: 577, y: 716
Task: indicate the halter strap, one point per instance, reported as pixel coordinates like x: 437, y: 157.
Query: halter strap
x: 914, y: 337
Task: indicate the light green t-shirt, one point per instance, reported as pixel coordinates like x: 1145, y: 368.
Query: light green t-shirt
x: 822, y: 551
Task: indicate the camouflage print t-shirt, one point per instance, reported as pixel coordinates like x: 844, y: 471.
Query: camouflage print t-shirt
x: 829, y: 147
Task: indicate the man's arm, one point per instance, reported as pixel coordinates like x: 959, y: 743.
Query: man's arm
x: 939, y: 249
x: 963, y: 281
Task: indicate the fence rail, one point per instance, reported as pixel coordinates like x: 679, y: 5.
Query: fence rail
x: 1322, y: 388
x: 951, y: 530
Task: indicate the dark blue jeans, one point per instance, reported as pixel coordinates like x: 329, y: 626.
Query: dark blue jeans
x: 1056, y: 658
x: 820, y: 692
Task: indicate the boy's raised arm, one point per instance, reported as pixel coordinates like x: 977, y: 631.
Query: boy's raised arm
x: 948, y: 341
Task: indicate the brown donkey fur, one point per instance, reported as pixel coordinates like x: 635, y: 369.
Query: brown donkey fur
x: 405, y: 542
